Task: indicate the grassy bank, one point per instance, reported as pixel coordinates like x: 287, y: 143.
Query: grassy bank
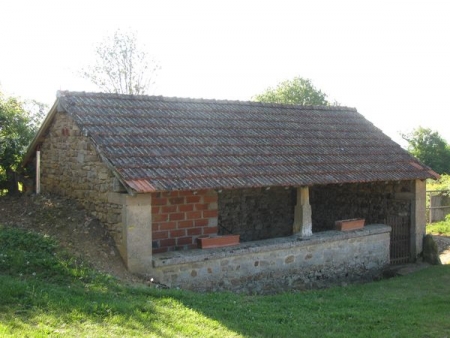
x: 440, y: 228
x: 44, y: 292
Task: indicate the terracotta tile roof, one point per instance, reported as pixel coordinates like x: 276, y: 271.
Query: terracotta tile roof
x: 159, y: 143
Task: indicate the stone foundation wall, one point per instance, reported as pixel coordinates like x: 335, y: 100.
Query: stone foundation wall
x: 372, y: 201
x: 256, y: 214
x: 70, y: 166
x: 279, y: 264
x: 180, y: 217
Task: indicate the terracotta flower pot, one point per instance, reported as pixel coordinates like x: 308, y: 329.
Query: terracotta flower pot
x: 349, y: 224
x: 217, y: 241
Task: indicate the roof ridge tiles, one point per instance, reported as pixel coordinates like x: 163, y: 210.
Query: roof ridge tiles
x: 65, y: 93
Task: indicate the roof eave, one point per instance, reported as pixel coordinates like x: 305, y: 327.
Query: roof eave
x: 434, y: 175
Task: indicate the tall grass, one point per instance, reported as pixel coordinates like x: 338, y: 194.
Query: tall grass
x: 45, y: 292
x: 440, y: 228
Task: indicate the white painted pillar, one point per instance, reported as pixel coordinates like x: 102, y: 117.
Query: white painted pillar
x: 418, y: 217
x: 302, y: 213
x: 38, y: 172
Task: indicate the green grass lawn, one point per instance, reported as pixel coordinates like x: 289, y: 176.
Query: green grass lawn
x: 44, y: 292
x: 440, y: 228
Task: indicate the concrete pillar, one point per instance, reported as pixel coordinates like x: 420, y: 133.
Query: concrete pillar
x: 302, y: 213
x: 418, y: 217
x: 136, y: 248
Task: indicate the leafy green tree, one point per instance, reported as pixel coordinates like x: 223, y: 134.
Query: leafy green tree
x: 296, y: 91
x: 19, y: 122
x: 442, y: 184
x: 121, y: 67
x: 430, y: 148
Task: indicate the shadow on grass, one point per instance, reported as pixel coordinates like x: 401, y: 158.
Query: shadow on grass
x: 45, y: 291
x: 415, y: 306
x: 63, y: 298
x: 94, y: 310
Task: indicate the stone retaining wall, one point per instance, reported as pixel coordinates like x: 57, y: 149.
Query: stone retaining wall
x: 279, y: 264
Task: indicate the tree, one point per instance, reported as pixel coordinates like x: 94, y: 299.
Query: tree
x: 430, y: 148
x: 296, y: 91
x: 121, y: 67
x: 19, y: 122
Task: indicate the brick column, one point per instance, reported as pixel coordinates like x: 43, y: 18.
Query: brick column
x: 418, y: 218
x: 302, y: 213
x: 136, y: 246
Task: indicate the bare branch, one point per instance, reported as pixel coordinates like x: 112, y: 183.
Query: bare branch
x: 121, y: 67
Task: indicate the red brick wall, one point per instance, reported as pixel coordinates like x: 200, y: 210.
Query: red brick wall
x: 180, y: 217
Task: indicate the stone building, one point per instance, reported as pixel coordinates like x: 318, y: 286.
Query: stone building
x: 161, y: 172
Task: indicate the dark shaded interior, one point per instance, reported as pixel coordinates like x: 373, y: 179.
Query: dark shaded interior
x: 374, y: 202
x: 260, y: 213
x: 257, y: 214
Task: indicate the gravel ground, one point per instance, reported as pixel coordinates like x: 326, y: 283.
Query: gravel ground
x: 443, y: 243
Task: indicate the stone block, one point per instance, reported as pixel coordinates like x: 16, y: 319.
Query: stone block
x: 289, y: 259
x: 212, y: 222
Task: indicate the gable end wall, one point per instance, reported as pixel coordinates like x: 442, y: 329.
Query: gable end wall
x: 70, y: 166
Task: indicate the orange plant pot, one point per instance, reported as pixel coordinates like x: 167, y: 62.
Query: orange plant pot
x: 349, y: 224
x: 217, y: 241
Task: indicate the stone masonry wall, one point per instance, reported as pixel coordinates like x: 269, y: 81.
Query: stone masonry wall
x: 256, y: 214
x: 180, y: 217
x: 372, y: 201
x: 70, y: 166
x: 279, y: 264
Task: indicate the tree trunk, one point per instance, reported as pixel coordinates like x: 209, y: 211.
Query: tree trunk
x: 11, y: 183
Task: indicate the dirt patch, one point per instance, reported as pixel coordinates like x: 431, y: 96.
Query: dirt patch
x: 67, y: 222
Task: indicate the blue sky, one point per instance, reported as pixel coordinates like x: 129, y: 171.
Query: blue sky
x: 389, y: 59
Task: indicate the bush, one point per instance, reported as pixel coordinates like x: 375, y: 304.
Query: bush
x: 440, y: 228
x: 19, y: 122
x: 430, y: 148
x: 442, y: 184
